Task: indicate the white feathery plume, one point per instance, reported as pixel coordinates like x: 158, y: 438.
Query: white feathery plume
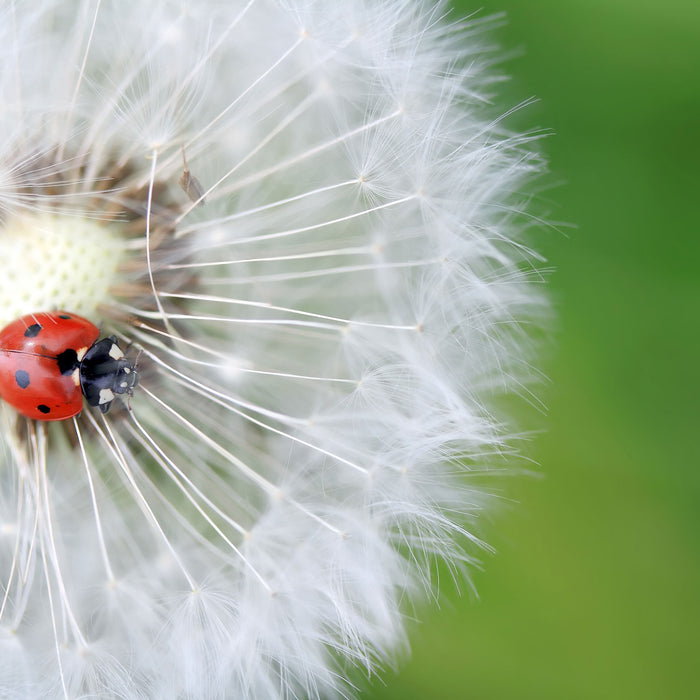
x: 304, y: 218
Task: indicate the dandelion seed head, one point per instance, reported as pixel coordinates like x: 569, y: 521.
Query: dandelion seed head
x: 304, y: 220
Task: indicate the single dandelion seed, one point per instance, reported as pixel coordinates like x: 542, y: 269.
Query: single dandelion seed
x: 190, y: 184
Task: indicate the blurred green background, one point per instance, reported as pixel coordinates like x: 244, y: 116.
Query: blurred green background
x: 594, y: 591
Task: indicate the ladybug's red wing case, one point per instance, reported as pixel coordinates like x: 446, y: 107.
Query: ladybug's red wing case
x: 32, y: 386
x: 49, y: 333
x: 39, y: 359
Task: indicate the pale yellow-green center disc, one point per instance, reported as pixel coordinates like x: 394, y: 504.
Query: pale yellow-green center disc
x: 50, y: 262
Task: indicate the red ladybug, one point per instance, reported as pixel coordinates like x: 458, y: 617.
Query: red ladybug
x: 49, y: 361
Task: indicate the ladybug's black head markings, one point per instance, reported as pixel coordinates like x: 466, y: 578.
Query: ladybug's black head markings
x: 104, y: 372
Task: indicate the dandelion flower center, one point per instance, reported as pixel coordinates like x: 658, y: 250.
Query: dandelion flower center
x: 54, y: 261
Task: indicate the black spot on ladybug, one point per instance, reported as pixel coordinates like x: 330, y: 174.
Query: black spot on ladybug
x: 67, y: 361
x: 43, y: 408
x: 22, y: 378
x: 66, y: 316
x: 33, y: 330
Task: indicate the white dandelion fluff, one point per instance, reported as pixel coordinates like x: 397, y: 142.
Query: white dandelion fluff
x: 301, y: 220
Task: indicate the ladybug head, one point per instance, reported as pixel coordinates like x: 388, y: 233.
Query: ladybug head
x: 126, y: 377
x: 105, y: 372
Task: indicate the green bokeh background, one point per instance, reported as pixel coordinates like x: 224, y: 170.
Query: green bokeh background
x: 594, y: 591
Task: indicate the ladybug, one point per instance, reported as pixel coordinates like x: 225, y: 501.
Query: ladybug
x: 49, y: 361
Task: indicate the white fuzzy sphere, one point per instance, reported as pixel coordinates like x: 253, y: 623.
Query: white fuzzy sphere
x: 303, y: 218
